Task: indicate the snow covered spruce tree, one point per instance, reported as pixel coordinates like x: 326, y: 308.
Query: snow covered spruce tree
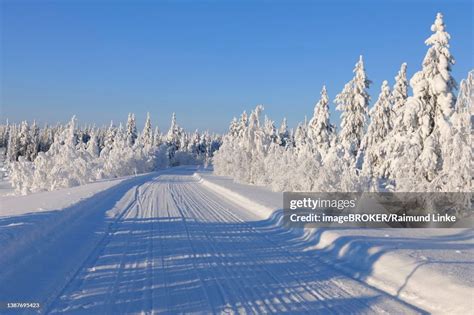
x: 157, y: 137
x: 395, y: 143
x: 243, y: 151
x: 64, y: 165
x: 456, y: 175
x: 81, y: 155
x: 93, y: 144
x: 353, y: 101
x: 13, y: 144
x: 320, y: 130
x: 173, y: 138
x: 307, y: 159
x: 24, y: 140
x: 400, y: 91
x: 301, y: 136
x: 270, y: 131
x: 178, y: 143
x: 284, y: 137
x: 253, y: 145
x: 120, y: 158
x: 131, y: 130
x: 428, y: 114
x: 109, y: 140
x: 372, y: 151
x: 4, y: 131
x: 146, y: 137
x: 223, y: 159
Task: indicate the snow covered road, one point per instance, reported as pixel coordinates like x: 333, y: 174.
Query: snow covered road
x: 164, y: 243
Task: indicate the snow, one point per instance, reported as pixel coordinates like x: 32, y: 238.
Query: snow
x: 5, y: 185
x: 411, y: 144
x: 372, y: 152
x: 353, y: 101
x: 185, y: 240
x: 416, y: 265
x: 320, y: 130
x: 167, y: 242
x: 13, y: 205
x: 67, y: 156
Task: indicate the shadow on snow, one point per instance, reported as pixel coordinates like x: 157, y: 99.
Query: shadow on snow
x: 177, y: 265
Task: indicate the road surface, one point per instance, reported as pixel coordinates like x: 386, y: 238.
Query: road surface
x: 177, y: 247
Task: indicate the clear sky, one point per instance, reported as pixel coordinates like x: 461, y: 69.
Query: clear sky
x: 207, y: 60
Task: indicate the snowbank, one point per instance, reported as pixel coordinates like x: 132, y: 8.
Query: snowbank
x: 409, y: 267
x: 25, y: 219
x: 429, y: 268
x: 250, y: 197
x: 12, y: 205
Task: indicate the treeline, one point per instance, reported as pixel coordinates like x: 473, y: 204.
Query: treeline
x: 404, y: 143
x: 67, y: 155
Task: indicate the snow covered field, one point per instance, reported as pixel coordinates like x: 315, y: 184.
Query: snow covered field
x: 173, y: 242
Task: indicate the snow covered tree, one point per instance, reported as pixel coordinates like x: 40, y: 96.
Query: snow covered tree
x: 242, y: 128
x: 13, y: 144
x: 146, y: 137
x: 439, y: 91
x: 122, y: 159
x: 320, y: 130
x: 400, y: 89
x: 157, y: 140
x: 428, y: 114
x: 4, y: 129
x: 353, y: 101
x: 242, y: 157
x: 284, y: 138
x: 234, y: 128
x: 109, y: 140
x: 194, y: 144
x: 254, y: 145
x: 456, y: 175
x: 33, y: 146
x: 62, y: 166
x: 270, y: 132
x: 398, y: 140
x: 173, y: 138
x: 301, y: 136
x: 132, y: 133
x: 372, y: 152
x: 46, y: 138
x: 24, y: 139
x: 74, y: 155
x: 174, y: 133
x: 93, y: 145
x: 223, y: 160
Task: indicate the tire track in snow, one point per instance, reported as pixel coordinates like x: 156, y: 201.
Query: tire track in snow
x: 94, y: 255
x: 296, y: 296
x: 323, y: 291
x: 172, y: 212
x: 95, y: 252
x: 217, y: 273
x: 180, y: 247
x: 343, y: 283
x: 249, y: 293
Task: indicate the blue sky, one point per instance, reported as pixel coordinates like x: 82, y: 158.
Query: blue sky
x: 207, y: 60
